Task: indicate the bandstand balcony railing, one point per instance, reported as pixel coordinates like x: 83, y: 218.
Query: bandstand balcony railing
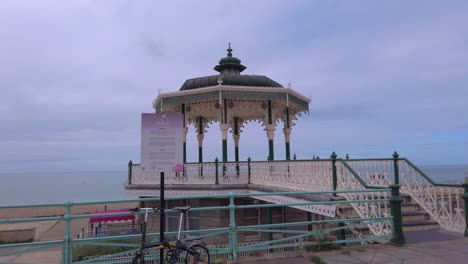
x: 446, y: 203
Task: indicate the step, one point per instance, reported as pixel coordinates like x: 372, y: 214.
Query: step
x: 420, y: 225
x: 415, y: 216
x: 406, y: 198
x: 410, y: 207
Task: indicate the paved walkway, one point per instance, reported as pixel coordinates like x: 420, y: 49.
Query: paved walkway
x: 445, y: 247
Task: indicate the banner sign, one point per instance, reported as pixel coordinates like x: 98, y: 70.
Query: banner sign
x: 161, y: 142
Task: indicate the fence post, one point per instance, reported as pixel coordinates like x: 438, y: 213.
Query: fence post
x: 232, y: 227
x: 465, y: 199
x: 67, y: 246
x: 342, y: 232
x: 248, y: 169
x: 395, y: 209
x: 395, y: 167
x: 129, y: 172
x: 335, y: 180
x: 216, y: 171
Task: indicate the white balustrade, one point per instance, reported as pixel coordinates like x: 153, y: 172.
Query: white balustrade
x: 295, y: 175
x: 371, y: 208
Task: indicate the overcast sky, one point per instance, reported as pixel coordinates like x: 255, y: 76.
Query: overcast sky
x: 383, y: 76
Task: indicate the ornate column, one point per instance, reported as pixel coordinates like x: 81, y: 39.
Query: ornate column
x: 200, y: 137
x: 287, y: 134
x: 287, y: 137
x: 185, y: 134
x: 236, y: 137
x: 270, y: 132
x: 224, y: 131
x: 271, y: 135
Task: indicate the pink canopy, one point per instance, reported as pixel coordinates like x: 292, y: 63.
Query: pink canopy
x: 97, y: 219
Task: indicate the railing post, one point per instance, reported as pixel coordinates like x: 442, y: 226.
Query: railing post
x: 395, y: 208
x: 216, y: 171
x: 465, y: 199
x: 232, y: 227
x: 342, y: 232
x: 335, y: 178
x: 67, y: 245
x: 395, y: 167
x: 248, y: 169
x: 129, y: 172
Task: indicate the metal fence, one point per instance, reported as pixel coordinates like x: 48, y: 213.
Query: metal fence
x: 295, y: 234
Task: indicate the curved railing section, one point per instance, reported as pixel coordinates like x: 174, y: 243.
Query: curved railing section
x: 377, y: 206
x: 311, y: 175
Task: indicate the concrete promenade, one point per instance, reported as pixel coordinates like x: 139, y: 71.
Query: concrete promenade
x: 427, y: 247
x: 443, y: 247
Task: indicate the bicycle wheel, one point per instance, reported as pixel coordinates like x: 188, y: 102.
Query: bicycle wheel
x: 197, y: 253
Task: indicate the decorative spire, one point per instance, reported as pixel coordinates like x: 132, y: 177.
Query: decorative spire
x: 229, y: 64
x: 229, y: 50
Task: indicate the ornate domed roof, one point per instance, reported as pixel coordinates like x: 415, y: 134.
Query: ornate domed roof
x: 229, y: 68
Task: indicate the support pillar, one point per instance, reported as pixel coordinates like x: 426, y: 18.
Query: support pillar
x: 270, y: 132
x: 185, y: 134
x: 287, y: 137
x: 224, y: 130
x: 236, y: 137
x: 287, y: 133
x: 200, y: 137
x: 271, y: 135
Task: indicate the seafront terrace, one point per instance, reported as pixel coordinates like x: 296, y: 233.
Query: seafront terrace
x: 369, y: 187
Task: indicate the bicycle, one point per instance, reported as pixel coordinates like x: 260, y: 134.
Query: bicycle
x: 195, y: 253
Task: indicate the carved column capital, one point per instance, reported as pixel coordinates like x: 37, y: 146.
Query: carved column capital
x: 270, y: 131
x: 185, y: 133
x: 224, y: 130
x: 236, y: 140
x: 200, y: 139
x: 287, y: 134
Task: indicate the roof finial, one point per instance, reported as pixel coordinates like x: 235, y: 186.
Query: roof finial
x: 229, y: 50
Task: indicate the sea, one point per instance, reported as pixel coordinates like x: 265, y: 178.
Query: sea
x: 58, y: 187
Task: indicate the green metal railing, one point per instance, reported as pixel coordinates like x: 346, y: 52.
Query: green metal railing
x: 291, y: 238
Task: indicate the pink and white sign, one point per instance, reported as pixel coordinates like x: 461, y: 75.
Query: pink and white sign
x: 161, y: 142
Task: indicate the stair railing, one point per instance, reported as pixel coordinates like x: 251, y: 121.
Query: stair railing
x: 348, y: 179
x: 444, y: 202
x: 447, y: 204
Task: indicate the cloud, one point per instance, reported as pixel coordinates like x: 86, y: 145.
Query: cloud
x: 75, y: 76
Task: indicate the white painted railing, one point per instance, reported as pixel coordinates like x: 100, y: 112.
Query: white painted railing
x: 296, y: 175
x: 443, y: 202
x: 195, y: 173
x: 348, y: 181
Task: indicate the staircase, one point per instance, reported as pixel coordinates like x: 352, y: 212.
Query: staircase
x: 414, y: 217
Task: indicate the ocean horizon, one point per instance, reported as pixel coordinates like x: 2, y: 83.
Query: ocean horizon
x: 78, y: 186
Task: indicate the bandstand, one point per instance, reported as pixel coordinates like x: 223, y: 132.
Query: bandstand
x: 360, y: 188
x: 232, y: 99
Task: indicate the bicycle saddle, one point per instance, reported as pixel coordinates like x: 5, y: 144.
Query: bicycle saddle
x: 182, y: 208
